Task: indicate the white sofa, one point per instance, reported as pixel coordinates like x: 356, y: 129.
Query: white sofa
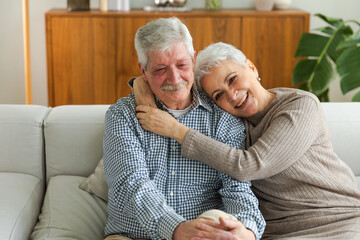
x: 73, y: 147
x: 57, y: 148
x: 22, y: 171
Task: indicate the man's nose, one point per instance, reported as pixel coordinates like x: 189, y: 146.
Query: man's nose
x: 174, y: 75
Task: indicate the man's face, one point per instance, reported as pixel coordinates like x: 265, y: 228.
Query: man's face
x: 170, y: 75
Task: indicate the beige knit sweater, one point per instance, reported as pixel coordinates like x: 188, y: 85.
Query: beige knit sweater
x: 304, y: 189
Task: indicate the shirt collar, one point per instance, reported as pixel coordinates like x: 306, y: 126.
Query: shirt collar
x: 198, y: 99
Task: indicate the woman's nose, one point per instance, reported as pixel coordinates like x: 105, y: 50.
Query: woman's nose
x: 231, y: 94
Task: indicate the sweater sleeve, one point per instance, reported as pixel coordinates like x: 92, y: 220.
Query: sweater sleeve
x: 289, y: 134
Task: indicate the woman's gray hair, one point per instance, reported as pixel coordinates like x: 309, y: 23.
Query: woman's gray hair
x: 211, y: 57
x: 159, y: 35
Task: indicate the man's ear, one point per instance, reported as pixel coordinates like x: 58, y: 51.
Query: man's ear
x: 194, y: 58
x: 251, y: 66
x: 142, y: 71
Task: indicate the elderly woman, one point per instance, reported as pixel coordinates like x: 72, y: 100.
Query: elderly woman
x: 304, y: 189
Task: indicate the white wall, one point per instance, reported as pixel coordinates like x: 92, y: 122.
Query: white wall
x: 12, y: 86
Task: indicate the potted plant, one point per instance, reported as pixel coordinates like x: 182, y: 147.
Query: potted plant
x: 213, y: 4
x: 335, y: 50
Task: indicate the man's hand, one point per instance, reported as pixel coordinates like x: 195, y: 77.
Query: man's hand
x: 142, y: 92
x: 188, y: 230
x: 228, y: 230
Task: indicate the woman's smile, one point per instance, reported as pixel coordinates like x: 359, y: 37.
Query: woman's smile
x: 243, y: 101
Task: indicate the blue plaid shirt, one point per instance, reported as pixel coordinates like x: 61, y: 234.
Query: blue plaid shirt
x: 152, y: 188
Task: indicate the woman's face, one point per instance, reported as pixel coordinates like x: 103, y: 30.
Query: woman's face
x: 235, y: 88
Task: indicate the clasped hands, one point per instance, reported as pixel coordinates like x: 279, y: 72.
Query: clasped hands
x: 203, y: 229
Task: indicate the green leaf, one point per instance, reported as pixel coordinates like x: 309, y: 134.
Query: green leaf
x: 335, y: 45
x: 356, y: 97
x: 303, y: 70
x: 351, y: 41
x: 339, y: 35
x: 324, y: 97
x: 321, y: 76
x: 332, y: 21
x: 311, y: 45
x: 354, y: 21
x: 326, y: 30
x: 304, y: 87
x: 348, y: 67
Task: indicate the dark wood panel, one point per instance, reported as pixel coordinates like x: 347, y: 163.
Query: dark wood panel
x: 271, y: 44
x: 83, y: 61
x: 206, y: 30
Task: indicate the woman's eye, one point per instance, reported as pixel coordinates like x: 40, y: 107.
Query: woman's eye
x: 232, y: 79
x: 217, y: 96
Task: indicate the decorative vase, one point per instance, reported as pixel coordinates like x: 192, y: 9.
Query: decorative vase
x: 78, y: 5
x: 264, y: 5
x: 282, y: 4
x: 114, y: 5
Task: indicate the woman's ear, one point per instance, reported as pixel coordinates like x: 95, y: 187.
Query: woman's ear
x: 251, y: 66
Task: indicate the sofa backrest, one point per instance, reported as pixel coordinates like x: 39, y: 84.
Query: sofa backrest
x: 74, y: 139
x: 343, y: 120
x: 21, y: 139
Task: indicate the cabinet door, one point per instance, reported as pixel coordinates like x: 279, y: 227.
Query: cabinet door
x: 81, y: 54
x: 126, y: 56
x: 206, y: 30
x: 270, y: 43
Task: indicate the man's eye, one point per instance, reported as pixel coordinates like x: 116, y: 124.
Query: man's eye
x: 159, y: 70
x: 182, y: 66
x: 217, y: 96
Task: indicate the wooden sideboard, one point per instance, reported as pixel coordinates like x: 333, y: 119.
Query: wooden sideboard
x: 91, y: 54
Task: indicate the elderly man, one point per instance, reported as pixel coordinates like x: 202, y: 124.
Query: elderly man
x: 154, y: 193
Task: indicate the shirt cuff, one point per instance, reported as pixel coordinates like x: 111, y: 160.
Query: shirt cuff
x: 186, y: 144
x: 251, y: 225
x: 168, y: 224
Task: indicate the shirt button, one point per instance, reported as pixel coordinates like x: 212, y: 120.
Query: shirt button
x: 171, y: 194
x: 173, y: 173
x: 174, y: 147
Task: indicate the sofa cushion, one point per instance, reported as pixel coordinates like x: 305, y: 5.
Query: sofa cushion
x: 20, y: 202
x: 21, y: 139
x: 70, y: 213
x: 343, y: 120
x: 74, y: 136
x: 96, y: 182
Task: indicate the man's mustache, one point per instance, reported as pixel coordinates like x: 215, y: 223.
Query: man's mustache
x: 173, y: 87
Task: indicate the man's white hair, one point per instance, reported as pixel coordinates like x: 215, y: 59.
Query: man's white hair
x: 212, y: 55
x: 160, y: 35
